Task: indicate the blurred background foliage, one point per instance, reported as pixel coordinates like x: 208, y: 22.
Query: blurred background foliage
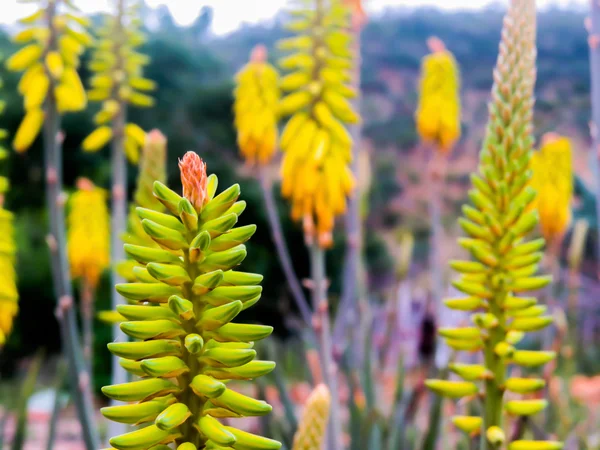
x: 194, y: 71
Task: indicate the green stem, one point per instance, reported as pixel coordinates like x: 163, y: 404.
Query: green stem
x: 59, y: 381
x: 26, y: 390
x: 436, y: 265
x: 321, y: 308
x: 494, y: 391
x: 118, y: 211
x: 195, y: 403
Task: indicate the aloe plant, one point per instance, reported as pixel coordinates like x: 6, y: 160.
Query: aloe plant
x: 180, y: 315
x: 505, y: 262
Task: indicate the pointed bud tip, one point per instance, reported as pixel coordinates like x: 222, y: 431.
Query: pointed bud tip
x: 156, y: 137
x: 259, y: 54
x: 84, y: 184
x: 435, y: 44
x: 194, y: 180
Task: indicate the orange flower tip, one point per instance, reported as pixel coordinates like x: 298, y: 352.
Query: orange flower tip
x: 259, y: 54
x: 84, y: 184
x: 156, y: 137
x: 194, y: 180
x: 435, y: 44
x: 326, y: 239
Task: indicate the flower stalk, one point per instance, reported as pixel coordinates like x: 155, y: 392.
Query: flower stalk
x: 321, y: 325
x: 51, y: 86
x: 594, y: 44
x: 505, y: 263
x: 182, y: 304
x: 117, y: 83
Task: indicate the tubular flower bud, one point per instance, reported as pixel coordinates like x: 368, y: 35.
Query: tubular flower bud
x: 118, y: 80
x: 438, y: 112
x: 316, y: 144
x: 88, y: 233
x: 152, y: 168
x: 194, y: 180
x: 311, y: 431
x: 552, y: 168
x: 255, y: 107
x: 505, y: 262
x: 54, y: 39
x: 8, y: 285
x: 185, y: 346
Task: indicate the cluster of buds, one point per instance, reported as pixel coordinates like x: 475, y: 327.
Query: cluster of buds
x: 505, y: 263
x: 181, y: 306
x: 152, y: 167
x: 118, y: 80
x: 316, y: 144
x: 438, y: 113
x: 256, y: 100
x: 54, y: 40
x: 88, y: 233
x: 552, y: 168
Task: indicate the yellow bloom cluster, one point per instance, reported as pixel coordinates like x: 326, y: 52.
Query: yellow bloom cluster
x: 8, y: 286
x: 552, y: 168
x: 311, y: 431
x: 118, y: 80
x: 317, y: 146
x: 438, y: 112
x: 256, y: 99
x: 88, y: 232
x: 152, y: 168
x: 54, y: 41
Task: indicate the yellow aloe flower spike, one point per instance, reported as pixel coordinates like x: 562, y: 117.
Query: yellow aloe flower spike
x: 255, y: 107
x: 53, y: 39
x: 8, y: 285
x: 317, y: 146
x: 88, y: 232
x: 552, y: 168
x: 118, y: 81
x: 311, y: 431
x: 438, y: 112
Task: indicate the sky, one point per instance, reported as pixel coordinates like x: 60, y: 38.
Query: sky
x: 229, y: 14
